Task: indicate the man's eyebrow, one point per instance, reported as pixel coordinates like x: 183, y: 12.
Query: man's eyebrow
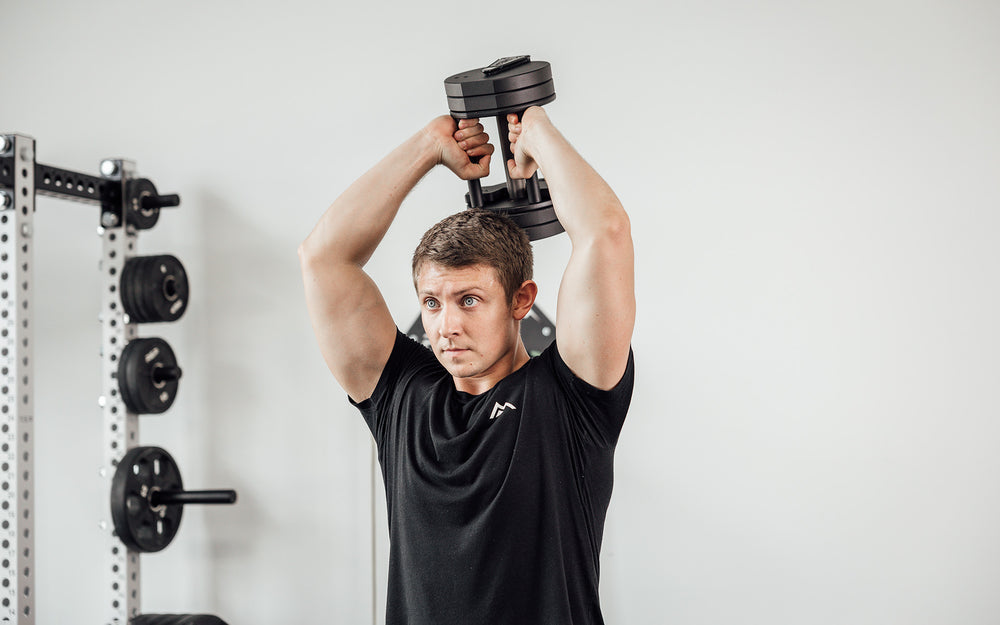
x: 460, y: 291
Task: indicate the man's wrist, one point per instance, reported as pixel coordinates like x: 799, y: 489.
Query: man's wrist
x: 428, y: 149
x: 536, y: 131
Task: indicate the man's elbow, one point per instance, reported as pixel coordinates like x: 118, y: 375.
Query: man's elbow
x: 616, y: 230
x: 310, y: 255
x: 618, y: 226
x: 305, y: 257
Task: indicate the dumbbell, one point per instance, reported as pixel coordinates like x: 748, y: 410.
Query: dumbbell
x: 508, y: 85
x: 148, y: 498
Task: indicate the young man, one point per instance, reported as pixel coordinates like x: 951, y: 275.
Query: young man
x: 498, y: 467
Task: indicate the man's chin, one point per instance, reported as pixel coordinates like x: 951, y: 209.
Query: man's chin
x: 459, y: 370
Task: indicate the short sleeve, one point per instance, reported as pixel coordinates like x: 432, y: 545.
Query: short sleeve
x: 407, y: 361
x: 598, y: 414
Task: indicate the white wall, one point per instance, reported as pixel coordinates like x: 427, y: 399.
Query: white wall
x: 814, y: 195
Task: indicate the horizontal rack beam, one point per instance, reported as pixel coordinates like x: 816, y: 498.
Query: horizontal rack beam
x: 65, y: 184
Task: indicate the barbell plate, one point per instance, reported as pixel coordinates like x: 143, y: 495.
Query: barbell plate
x: 165, y: 289
x: 135, y: 214
x: 141, y: 280
x: 126, y: 291
x: 177, y: 619
x: 139, y: 526
x: 140, y: 358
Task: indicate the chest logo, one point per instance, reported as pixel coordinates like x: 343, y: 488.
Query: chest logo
x: 498, y: 409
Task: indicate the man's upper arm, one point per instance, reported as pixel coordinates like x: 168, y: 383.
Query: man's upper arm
x: 596, y: 310
x: 352, y: 323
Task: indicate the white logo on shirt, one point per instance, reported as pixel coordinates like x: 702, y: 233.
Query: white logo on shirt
x: 498, y: 409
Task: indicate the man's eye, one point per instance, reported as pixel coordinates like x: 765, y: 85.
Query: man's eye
x: 469, y: 301
x: 430, y: 303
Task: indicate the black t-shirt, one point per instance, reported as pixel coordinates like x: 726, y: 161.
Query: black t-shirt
x: 496, y: 502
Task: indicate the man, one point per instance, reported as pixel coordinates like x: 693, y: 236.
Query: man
x: 497, y: 466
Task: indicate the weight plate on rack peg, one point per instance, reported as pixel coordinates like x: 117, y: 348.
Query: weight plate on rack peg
x: 154, y: 288
x: 148, y: 375
x: 148, y: 498
x: 139, y: 524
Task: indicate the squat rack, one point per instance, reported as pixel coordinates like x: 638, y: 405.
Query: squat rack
x: 127, y: 204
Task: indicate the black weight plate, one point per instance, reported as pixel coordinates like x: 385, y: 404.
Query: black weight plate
x: 475, y: 83
x: 138, y: 278
x: 544, y: 231
x: 125, y: 290
x: 139, y: 525
x: 166, y: 292
x: 496, y: 198
x: 129, y: 376
x: 507, y: 102
x: 128, y: 382
x: 130, y: 286
x: 145, y: 276
x: 141, y: 218
x: 139, y: 359
x: 155, y: 619
x: 177, y: 619
x: 537, y: 219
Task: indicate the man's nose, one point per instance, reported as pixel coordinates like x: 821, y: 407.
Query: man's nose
x: 450, y: 321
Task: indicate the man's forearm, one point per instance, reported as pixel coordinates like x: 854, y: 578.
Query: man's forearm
x: 584, y: 203
x: 352, y: 227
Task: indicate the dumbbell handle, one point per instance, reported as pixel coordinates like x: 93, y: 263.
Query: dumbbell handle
x: 475, y: 194
x: 184, y: 497
x: 516, y: 188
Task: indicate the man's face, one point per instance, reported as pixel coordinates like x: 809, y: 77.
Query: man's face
x: 468, y: 319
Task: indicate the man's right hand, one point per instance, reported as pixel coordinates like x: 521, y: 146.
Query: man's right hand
x: 463, y: 146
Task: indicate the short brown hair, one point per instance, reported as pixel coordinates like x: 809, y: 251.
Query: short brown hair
x: 478, y: 237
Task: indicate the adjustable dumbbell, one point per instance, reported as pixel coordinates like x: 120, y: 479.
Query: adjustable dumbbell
x: 508, y: 85
x: 148, y: 498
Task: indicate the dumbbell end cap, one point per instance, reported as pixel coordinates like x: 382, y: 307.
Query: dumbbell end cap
x: 475, y: 82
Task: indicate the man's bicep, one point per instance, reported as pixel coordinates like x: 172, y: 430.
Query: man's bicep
x: 353, y: 326
x: 596, y: 309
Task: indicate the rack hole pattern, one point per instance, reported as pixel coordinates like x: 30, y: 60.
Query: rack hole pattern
x: 120, y: 426
x: 16, y: 379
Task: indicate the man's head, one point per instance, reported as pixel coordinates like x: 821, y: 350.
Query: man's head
x: 472, y: 273
x: 478, y: 237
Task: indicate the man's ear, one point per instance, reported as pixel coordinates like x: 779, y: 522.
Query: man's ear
x: 524, y: 299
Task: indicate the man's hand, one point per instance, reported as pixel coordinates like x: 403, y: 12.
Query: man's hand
x: 463, y: 147
x: 523, y: 165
